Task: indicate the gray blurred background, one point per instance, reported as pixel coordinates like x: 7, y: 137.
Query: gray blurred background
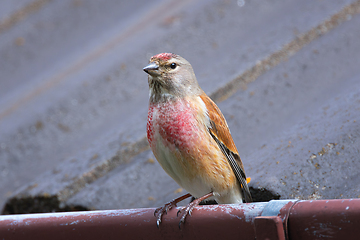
x: 73, y: 97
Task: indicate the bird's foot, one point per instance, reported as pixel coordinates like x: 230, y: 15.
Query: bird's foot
x: 187, y: 210
x: 190, y: 207
x: 159, y: 212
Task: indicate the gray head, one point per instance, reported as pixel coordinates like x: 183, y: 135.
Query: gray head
x: 170, y: 77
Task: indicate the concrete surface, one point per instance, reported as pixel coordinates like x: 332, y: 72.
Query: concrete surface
x: 73, y: 97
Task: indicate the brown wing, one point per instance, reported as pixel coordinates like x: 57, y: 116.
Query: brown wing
x: 220, y: 132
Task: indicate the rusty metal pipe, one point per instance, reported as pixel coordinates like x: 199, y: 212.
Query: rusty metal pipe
x: 206, y: 222
x: 320, y: 219
x: 276, y: 219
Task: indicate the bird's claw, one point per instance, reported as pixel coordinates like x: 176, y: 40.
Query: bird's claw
x: 177, y: 214
x: 185, y: 212
x: 159, y: 212
x: 158, y: 221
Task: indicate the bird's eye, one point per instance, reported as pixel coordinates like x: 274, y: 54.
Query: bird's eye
x: 173, y: 65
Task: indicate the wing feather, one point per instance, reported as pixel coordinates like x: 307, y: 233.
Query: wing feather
x: 220, y: 132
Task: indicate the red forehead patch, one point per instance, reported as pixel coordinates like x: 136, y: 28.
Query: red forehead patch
x: 164, y: 56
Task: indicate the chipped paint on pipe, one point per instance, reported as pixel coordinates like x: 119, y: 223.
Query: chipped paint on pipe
x: 338, y: 219
x: 335, y: 219
x: 206, y: 222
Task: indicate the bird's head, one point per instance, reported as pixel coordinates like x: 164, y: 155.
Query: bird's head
x: 170, y: 77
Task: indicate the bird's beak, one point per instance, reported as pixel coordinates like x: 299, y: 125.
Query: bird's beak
x: 151, y: 67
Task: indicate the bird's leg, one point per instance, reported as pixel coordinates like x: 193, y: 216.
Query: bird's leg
x: 159, y: 212
x: 188, y: 209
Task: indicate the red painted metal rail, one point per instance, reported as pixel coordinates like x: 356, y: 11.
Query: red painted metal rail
x: 278, y: 219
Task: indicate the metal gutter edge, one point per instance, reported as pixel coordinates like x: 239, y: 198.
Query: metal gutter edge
x: 277, y: 219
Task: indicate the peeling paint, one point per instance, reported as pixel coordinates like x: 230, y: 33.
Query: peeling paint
x: 250, y: 211
x: 26, y: 218
x: 273, y: 207
x: 254, y: 212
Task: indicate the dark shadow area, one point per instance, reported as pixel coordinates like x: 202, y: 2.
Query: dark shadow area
x: 39, y: 204
x: 263, y: 195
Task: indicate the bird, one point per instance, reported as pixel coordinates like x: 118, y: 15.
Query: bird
x: 190, y: 138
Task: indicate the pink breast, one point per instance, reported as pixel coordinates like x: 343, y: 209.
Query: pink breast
x: 175, y: 123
